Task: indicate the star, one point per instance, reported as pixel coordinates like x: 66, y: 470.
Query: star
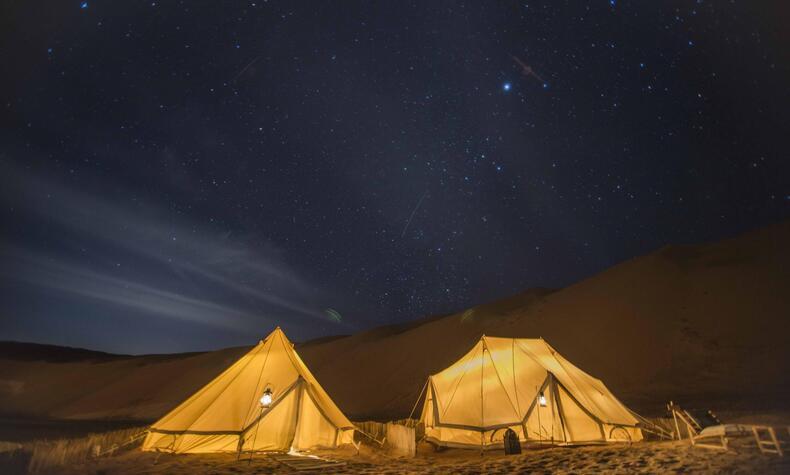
x: 507, y: 87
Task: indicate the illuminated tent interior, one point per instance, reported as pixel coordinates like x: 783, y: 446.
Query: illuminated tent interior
x: 266, y: 401
x: 524, y: 385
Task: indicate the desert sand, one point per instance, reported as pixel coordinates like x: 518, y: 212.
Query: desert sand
x: 656, y: 457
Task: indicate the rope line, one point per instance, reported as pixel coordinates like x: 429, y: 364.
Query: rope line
x: 255, y: 393
x: 418, y: 397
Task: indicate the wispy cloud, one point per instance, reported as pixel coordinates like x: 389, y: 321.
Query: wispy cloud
x: 53, y: 273
x: 172, y: 266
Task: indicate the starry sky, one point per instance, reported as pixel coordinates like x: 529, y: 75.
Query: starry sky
x: 183, y: 175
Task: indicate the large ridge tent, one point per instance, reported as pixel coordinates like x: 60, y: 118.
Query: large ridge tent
x: 524, y: 385
x: 266, y: 401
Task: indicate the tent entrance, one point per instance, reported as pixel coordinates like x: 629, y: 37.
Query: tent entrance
x: 555, y: 416
x: 257, y: 436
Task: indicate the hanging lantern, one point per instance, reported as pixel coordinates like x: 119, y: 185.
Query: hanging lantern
x: 266, y: 399
x: 541, y: 399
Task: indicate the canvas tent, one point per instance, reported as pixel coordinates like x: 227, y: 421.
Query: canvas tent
x: 524, y: 385
x: 227, y: 414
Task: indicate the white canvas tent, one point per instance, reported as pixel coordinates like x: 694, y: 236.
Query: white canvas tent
x: 524, y: 385
x: 227, y: 414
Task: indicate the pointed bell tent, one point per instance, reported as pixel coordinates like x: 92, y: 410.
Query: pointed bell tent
x: 266, y: 401
x: 524, y: 385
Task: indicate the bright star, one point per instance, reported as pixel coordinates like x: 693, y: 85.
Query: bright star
x: 506, y: 87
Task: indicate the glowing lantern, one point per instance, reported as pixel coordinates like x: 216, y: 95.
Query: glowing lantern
x: 266, y: 399
x: 541, y: 399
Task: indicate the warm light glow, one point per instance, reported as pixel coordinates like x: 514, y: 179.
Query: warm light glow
x: 266, y: 399
x: 541, y: 399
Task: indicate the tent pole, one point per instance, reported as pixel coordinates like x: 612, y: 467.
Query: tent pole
x: 553, y: 405
x: 254, y: 394
x: 255, y: 436
x: 540, y: 427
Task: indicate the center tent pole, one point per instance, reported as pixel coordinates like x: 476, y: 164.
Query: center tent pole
x: 255, y: 436
x: 540, y: 427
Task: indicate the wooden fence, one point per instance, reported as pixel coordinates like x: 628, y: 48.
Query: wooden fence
x: 378, y: 430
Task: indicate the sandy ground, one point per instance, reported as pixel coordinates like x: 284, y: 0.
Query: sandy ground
x: 646, y: 457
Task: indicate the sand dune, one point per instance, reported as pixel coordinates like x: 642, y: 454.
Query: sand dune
x: 698, y: 323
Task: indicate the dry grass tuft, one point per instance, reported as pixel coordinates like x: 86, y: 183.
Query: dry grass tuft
x: 48, y: 455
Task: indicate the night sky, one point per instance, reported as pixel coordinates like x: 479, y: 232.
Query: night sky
x: 186, y: 175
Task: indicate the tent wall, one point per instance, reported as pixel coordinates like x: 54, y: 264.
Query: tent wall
x: 578, y: 424
x: 295, y: 422
x: 191, y: 443
x: 622, y: 434
x: 314, y: 429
